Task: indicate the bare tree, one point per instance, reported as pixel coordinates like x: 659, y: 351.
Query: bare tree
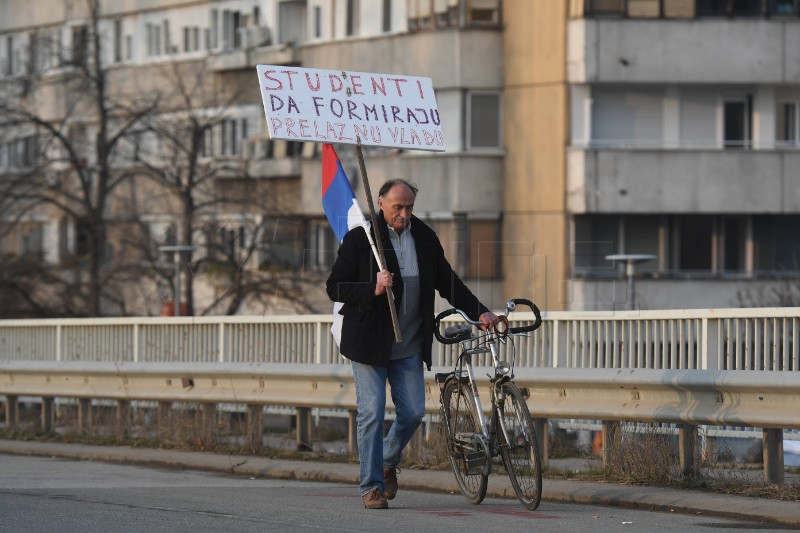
x: 194, y: 154
x: 75, y: 165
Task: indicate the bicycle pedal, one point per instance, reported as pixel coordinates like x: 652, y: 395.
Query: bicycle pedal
x: 475, y: 461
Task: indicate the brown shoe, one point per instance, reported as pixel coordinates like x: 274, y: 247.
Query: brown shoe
x: 390, y: 482
x: 375, y: 499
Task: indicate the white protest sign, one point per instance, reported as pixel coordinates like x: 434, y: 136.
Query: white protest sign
x: 334, y: 106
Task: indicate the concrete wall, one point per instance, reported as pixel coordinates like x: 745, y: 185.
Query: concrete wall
x: 677, y: 51
x: 535, y: 133
x: 709, y: 293
x: 645, y: 181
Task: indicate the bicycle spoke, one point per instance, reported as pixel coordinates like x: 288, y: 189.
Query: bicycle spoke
x: 519, y: 450
x: 467, y: 459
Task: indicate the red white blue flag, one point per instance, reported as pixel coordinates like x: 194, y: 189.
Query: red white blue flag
x: 338, y: 200
x: 343, y: 212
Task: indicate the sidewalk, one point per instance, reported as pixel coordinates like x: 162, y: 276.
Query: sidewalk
x: 554, y: 490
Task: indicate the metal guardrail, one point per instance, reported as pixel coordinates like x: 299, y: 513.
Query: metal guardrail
x: 764, y: 400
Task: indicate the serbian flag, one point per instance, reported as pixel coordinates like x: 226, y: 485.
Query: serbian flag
x: 343, y: 212
x: 338, y: 200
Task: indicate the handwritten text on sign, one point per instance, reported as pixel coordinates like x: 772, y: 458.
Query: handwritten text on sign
x: 333, y: 106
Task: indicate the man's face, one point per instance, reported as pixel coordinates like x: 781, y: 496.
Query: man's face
x: 397, y: 205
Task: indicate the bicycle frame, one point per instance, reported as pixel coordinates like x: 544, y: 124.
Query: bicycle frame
x: 475, y: 441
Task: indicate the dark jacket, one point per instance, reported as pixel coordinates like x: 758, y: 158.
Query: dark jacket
x: 367, y: 333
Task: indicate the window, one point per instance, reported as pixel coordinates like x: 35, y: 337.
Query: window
x: 80, y: 43
x: 685, y: 245
x: 31, y: 239
x: 168, y: 48
x: 387, y: 16
x: 322, y: 246
x: 9, y: 63
x: 128, y: 47
x: 483, y: 249
x: 351, y: 18
x: 213, y: 22
x: 282, y: 244
x: 736, y: 123
x: 734, y: 8
x: 783, y: 7
x: 605, y: 7
x: 419, y: 15
x: 292, y: 21
x: 786, y: 124
x: 692, y: 243
x: 317, y: 22
x: 643, y: 8
x: 733, y: 237
x: 678, y: 8
x: 484, y: 12
x: 231, y: 26
x: 118, y: 41
x: 483, y: 120
x: 776, y: 243
x: 596, y: 236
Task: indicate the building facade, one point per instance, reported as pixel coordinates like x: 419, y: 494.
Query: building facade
x: 456, y: 43
x: 653, y: 127
x: 575, y: 130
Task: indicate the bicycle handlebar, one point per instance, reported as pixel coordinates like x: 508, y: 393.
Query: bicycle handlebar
x: 462, y: 335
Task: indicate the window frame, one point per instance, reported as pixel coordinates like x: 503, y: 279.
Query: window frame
x: 468, y: 118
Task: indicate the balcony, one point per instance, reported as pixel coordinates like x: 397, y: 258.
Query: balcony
x: 684, y: 51
x: 605, y: 180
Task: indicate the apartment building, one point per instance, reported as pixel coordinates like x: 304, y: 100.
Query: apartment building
x: 575, y: 130
x: 652, y: 127
x: 458, y: 43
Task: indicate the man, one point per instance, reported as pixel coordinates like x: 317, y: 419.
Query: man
x: 416, y: 266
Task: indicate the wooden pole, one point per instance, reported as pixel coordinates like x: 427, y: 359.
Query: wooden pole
x: 378, y: 241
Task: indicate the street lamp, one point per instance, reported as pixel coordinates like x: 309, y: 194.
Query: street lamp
x: 176, y: 258
x: 631, y: 260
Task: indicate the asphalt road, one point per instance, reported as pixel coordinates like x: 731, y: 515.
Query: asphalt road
x: 40, y: 494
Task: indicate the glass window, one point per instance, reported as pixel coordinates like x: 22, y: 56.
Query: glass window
x: 80, y: 43
x: 351, y: 20
x: 484, y: 127
x: 693, y: 243
x: 678, y: 8
x: 387, y: 15
x: 117, y: 41
x: 643, y: 8
x: 783, y: 7
x: 642, y: 236
x: 484, y: 249
x: 786, y: 121
x: 736, y: 123
x: 9, y: 63
x: 734, y: 244
x: 787, y: 242
x: 746, y: 8
x: 596, y: 236
x: 283, y: 244
x: 605, y: 7
x: 317, y: 22
x: 484, y: 12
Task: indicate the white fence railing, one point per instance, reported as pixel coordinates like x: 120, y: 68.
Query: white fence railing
x: 712, y: 339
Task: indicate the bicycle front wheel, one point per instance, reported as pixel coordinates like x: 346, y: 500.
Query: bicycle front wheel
x: 467, y: 459
x: 518, y: 447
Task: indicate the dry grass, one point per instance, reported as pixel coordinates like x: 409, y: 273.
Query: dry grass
x: 641, y: 454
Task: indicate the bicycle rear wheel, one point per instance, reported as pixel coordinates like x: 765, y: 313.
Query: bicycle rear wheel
x: 520, y: 451
x: 467, y: 459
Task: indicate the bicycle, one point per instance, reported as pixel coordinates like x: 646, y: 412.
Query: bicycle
x: 472, y: 440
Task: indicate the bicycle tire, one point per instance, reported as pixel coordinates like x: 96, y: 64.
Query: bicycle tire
x: 521, y: 454
x: 461, y: 417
